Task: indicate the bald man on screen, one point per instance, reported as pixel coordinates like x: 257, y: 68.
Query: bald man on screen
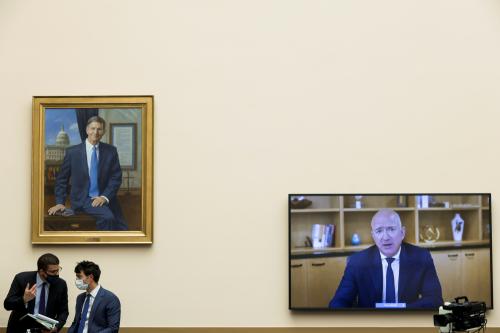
x: 389, y: 274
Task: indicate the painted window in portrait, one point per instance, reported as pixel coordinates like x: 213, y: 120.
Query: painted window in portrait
x: 92, y: 169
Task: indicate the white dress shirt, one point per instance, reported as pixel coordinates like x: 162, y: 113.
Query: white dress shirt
x: 93, y: 294
x: 39, y: 283
x: 395, y: 270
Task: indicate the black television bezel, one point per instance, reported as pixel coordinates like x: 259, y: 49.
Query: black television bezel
x: 399, y: 310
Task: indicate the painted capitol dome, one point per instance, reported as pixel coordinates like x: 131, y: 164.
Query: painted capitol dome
x: 62, y: 138
x: 56, y: 151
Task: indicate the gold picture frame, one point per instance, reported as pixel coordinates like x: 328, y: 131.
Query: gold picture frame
x: 61, y: 176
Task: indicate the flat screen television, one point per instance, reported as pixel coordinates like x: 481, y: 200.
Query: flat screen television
x: 388, y: 251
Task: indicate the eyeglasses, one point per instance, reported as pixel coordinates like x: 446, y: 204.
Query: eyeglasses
x: 391, y: 231
x: 54, y: 271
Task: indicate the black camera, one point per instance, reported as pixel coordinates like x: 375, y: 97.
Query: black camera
x: 461, y: 315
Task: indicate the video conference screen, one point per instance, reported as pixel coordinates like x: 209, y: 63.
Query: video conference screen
x: 389, y: 251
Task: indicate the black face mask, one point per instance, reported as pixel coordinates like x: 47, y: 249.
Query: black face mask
x: 52, y: 278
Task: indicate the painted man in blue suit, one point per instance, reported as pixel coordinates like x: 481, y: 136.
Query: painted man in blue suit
x: 390, y: 273
x: 97, y: 309
x: 93, y: 172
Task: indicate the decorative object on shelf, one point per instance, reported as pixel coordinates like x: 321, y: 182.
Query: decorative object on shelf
x: 300, y: 202
x: 402, y: 201
x: 433, y: 203
x: 355, y: 239
x: 358, y: 203
x: 457, y: 227
x: 429, y: 233
x: 463, y: 205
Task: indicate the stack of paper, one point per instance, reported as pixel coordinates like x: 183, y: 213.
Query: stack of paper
x: 46, y: 322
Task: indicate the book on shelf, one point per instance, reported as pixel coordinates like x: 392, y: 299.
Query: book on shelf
x: 322, y: 235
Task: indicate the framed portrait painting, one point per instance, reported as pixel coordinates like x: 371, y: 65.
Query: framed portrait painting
x: 92, y: 172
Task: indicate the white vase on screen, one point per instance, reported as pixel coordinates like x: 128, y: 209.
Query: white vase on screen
x: 457, y: 227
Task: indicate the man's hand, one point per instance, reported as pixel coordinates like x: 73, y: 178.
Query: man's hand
x: 98, y: 201
x: 57, y: 208
x: 29, y: 293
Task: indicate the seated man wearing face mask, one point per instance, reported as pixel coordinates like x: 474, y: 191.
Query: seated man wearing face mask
x: 39, y: 292
x: 97, y: 309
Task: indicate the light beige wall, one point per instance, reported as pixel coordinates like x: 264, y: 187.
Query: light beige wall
x: 254, y: 99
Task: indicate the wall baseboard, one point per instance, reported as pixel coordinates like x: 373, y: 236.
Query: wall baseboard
x: 279, y: 330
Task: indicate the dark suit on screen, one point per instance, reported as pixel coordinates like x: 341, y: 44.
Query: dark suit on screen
x: 104, y: 314
x: 57, y: 302
x: 75, y: 173
x: 362, y: 283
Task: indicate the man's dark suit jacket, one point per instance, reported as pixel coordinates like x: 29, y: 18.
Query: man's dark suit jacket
x: 361, y: 286
x: 75, y: 172
x: 104, y: 314
x: 57, y: 302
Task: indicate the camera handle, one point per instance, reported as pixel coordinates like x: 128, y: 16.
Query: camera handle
x: 457, y: 299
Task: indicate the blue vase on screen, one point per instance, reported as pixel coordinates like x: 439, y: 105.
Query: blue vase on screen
x: 355, y: 240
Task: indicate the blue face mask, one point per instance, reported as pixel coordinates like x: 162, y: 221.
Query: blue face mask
x: 80, y: 284
x: 52, y: 278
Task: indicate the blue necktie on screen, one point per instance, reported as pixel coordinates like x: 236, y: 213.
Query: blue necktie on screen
x: 41, y: 303
x: 390, y: 290
x: 94, y: 163
x: 83, y: 316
